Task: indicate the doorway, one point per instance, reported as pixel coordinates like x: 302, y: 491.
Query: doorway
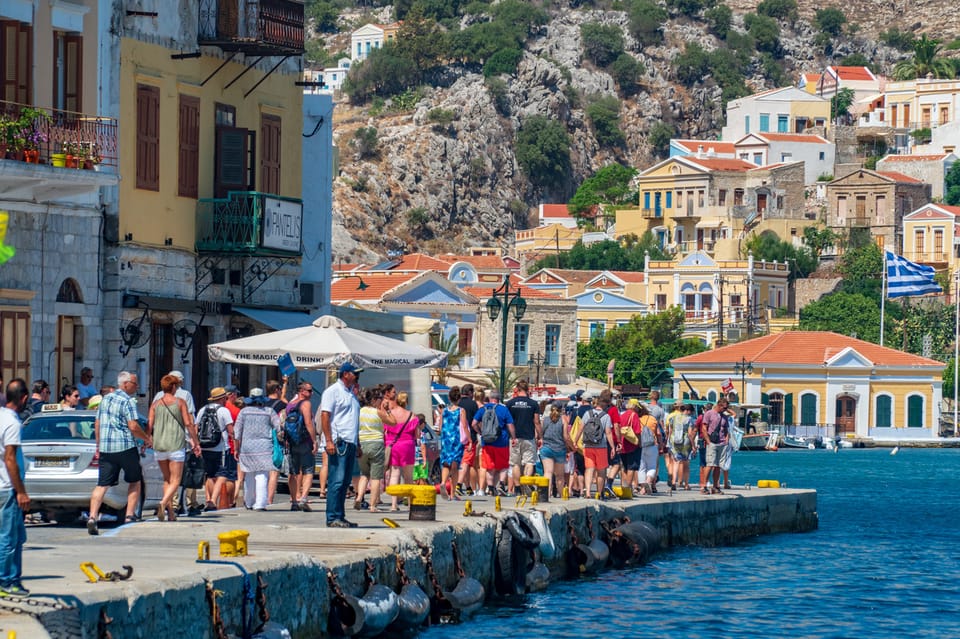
x: 846, y: 414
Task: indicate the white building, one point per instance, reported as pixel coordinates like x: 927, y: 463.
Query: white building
x: 370, y: 37
x: 786, y: 110
x: 763, y: 149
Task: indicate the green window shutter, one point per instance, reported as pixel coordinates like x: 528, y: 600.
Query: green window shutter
x: 883, y: 411
x: 808, y: 409
x: 765, y: 412
x: 788, y: 409
x: 915, y: 412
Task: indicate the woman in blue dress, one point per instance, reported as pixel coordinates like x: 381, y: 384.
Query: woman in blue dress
x: 451, y: 442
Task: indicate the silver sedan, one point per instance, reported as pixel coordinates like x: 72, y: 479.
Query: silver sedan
x: 61, y: 460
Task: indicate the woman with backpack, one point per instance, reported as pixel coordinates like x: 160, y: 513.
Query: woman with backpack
x: 680, y: 435
x: 371, y: 460
x: 649, y: 451
x: 553, y: 447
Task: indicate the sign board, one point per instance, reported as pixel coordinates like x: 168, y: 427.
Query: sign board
x: 727, y: 386
x: 282, y: 224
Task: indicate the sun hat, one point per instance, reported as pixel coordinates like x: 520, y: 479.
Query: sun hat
x: 256, y: 397
x: 177, y: 374
x: 94, y: 401
x: 216, y: 393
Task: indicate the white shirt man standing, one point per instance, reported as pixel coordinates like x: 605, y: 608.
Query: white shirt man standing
x: 14, y: 500
x: 340, y: 421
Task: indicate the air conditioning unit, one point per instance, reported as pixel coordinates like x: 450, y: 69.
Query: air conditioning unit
x: 734, y: 334
x: 308, y: 293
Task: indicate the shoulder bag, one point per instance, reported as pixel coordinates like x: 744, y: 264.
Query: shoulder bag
x: 165, y: 438
x: 389, y: 447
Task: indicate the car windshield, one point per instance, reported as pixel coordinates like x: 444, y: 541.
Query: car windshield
x: 58, y: 428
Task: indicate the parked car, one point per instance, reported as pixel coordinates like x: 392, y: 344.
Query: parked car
x: 62, y: 463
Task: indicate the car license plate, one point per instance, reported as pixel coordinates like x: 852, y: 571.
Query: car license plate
x: 51, y: 462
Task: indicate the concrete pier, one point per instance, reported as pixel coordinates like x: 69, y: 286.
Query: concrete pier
x: 293, y: 552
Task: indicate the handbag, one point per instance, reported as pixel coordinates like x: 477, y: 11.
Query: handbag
x: 628, y: 435
x: 277, y: 450
x: 387, y: 451
x: 464, y: 430
x: 193, y: 475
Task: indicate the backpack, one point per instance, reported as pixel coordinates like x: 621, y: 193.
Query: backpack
x: 593, y: 429
x: 294, y: 430
x: 208, y: 430
x: 678, y: 434
x: 490, y: 425
x: 647, y: 438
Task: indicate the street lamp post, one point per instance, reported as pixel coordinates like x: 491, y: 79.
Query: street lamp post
x: 538, y: 360
x: 956, y: 346
x: 742, y: 368
x: 501, y: 301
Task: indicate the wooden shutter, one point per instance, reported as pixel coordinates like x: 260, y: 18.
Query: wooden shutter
x: 231, y: 161
x: 188, y: 167
x: 73, y: 73
x: 270, y: 154
x: 148, y: 137
x: 764, y: 412
x: 15, y: 344
x: 16, y: 53
x: 788, y: 409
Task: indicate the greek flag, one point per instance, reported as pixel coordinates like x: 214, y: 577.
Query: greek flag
x: 906, y: 278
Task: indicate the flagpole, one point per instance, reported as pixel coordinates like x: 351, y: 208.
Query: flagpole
x: 883, y: 294
x: 956, y: 345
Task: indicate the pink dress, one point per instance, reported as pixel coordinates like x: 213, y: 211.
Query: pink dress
x: 404, y: 447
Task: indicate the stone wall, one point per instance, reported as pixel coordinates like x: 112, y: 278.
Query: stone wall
x: 811, y: 289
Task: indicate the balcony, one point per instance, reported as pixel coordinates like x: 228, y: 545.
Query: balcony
x: 858, y: 222
x: 50, y: 132
x: 651, y: 214
x: 928, y: 257
x: 252, y: 27
x: 249, y: 223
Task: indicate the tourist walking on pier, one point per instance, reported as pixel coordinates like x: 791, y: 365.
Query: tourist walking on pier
x: 401, y: 439
x: 14, y: 500
x: 495, y: 453
x: 468, y: 482
x: 526, y: 424
x: 680, y: 445
x: 340, y: 422
x: 116, y: 430
x: 715, y: 430
x: 649, y: 451
x: 215, y: 426
x: 171, y: 422
x: 254, y: 430
x: 454, y: 433
x: 630, y: 430
x: 371, y: 448
x: 598, y: 448
x: 553, y: 448
x: 301, y: 441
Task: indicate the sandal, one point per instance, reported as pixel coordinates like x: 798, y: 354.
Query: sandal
x: 161, y: 513
x: 716, y: 491
x: 704, y: 491
x: 131, y: 519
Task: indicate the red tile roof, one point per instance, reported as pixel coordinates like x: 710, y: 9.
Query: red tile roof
x: 955, y: 210
x: 378, y: 284
x: 708, y: 145
x: 630, y: 277
x: 483, y: 292
x: 854, y: 73
x: 574, y: 275
x: 420, y: 262
x: 793, y: 137
x: 915, y: 158
x: 804, y: 348
x: 722, y: 164
x: 556, y: 210
x: 899, y: 177
x: 479, y: 262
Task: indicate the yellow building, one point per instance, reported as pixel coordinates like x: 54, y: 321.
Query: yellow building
x: 533, y: 244
x: 931, y: 236
x: 821, y: 383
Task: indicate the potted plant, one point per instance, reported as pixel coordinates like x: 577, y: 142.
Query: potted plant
x: 7, y: 124
x: 32, y: 121
x: 71, y: 152
x: 92, y: 158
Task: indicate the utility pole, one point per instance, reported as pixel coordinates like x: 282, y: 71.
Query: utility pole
x: 719, y: 340
x: 556, y: 239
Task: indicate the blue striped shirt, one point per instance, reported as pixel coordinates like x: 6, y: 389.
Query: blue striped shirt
x: 116, y: 410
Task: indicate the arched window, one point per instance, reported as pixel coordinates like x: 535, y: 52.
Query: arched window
x: 915, y: 411
x: 70, y: 292
x: 884, y: 411
x: 712, y: 397
x: 776, y: 408
x: 808, y: 408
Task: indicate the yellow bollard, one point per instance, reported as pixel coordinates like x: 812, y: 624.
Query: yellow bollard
x: 423, y: 500
x: 623, y: 492
x: 496, y: 503
x: 241, y: 536
x: 565, y: 493
x: 540, y: 484
x: 203, y: 551
x: 233, y: 543
x: 534, y: 497
x: 467, y: 508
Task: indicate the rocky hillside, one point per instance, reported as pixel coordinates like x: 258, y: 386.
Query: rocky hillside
x: 442, y: 172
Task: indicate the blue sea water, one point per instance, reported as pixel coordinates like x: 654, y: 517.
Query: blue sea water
x: 885, y: 562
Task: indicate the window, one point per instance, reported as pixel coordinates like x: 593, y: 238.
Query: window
x: 915, y: 411
x: 16, y: 47
x: 735, y: 300
x: 700, y: 196
x: 823, y: 156
x: 465, y: 340
x: 881, y: 207
x: 918, y: 244
x: 679, y: 199
x: 660, y: 301
x: 722, y: 197
x: 359, y: 50
x: 15, y: 344
x: 783, y: 123
x: 884, y: 411
x: 758, y: 159
x: 646, y: 199
x: 148, y: 137
x: 776, y: 408
x: 235, y: 147
x: 746, y: 124
x: 67, y: 71
x: 552, y: 345
x: 188, y: 167
x: 738, y: 197
x: 597, y: 330
x: 764, y: 122
x: 669, y: 204
x: 521, y: 354
x: 938, y: 244
x: 808, y: 409
x: 270, y: 154
x: 786, y: 157
x: 841, y: 208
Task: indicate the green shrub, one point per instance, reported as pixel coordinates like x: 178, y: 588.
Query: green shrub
x: 441, y: 117
x: 604, y: 114
x: 324, y: 15
x: 692, y: 64
x: 503, y: 61
x: 921, y: 136
x: 825, y: 177
x: 365, y: 142
x: 602, y: 44
x: 543, y: 151
x: 627, y: 71
x: 659, y: 137
x: 687, y: 7
x: 646, y: 21
x: 499, y: 93
x: 779, y: 9
x: 719, y: 20
x: 765, y: 32
x: 894, y: 37
x: 830, y: 20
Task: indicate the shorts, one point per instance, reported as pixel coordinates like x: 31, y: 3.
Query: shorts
x: 228, y: 470
x: 702, y: 453
x: 523, y: 453
x: 714, y: 454
x: 301, y: 461
x: 371, y: 461
x: 469, y: 455
x: 597, y: 458
x: 420, y: 472
x: 495, y: 457
x: 631, y: 460
x: 174, y: 455
x: 212, y: 462
x: 579, y: 463
x: 112, y: 463
x: 558, y: 457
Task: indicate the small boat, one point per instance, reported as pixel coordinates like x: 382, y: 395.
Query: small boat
x: 794, y: 441
x: 765, y: 440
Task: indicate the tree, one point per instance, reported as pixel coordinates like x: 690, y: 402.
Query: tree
x: 324, y: 15
x: 820, y: 238
x: 365, y: 142
x: 384, y: 73
x: 659, y: 137
x: 894, y: 37
x: 924, y: 62
x: 543, y: 151
x: 627, y: 70
x: 719, y: 19
x: 951, y: 184
x: 841, y: 102
x: 420, y: 40
x: 646, y: 21
x: 602, y: 44
x: 604, y: 114
x: 779, y: 9
x: 830, y: 21
x: 626, y: 255
x: 692, y: 65
x: 769, y: 247
x: 765, y: 32
x: 861, y: 267
x: 609, y: 185
x: 844, y: 313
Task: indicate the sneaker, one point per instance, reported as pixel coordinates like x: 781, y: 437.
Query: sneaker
x: 92, y: 527
x: 349, y: 524
x: 501, y: 491
x: 294, y: 505
x: 338, y: 523
x: 14, y: 590
x: 459, y: 491
x: 356, y: 505
x: 305, y: 507
x: 210, y: 507
x: 193, y: 512
x: 364, y: 505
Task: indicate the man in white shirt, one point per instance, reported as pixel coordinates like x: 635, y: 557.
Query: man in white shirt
x: 340, y: 420
x: 14, y: 500
x: 219, y: 464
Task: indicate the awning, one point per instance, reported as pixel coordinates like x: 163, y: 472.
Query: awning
x: 708, y: 224
x: 277, y: 320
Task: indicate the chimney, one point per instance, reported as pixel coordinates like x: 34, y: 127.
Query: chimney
x: 711, y: 152
x: 699, y: 151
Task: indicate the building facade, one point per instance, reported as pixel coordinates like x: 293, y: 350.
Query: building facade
x: 784, y: 110
x: 931, y: 236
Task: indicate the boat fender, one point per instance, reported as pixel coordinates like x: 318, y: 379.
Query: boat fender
x: 380, y: 607
x: 413, y: 606
x: 467, y: 597
x: 644, y: 535
x: 346, y: 616
x: 601, y: 553
x: 538, y: 577
x: 272, y: 630
x: 522, y: 531
x: 548, y: 549
x: 768, y: 483
x: 510, y: 566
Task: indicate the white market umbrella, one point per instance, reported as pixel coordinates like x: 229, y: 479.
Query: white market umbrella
x: 326, y: 343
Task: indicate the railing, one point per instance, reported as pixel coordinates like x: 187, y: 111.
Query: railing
x: 235, y: 224
x: 858, y: 222
x: 928, y: 256
x: 651, y: 213
x: 56, y: 130
x: 253, y: 26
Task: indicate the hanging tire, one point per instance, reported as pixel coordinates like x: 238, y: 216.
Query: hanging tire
x: 510, y: 574
x: 522, y: 531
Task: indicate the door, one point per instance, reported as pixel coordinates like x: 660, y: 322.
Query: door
x: 66, y: 333
x: 699, y: 239
x: 846, y: 414
x: 915, y: 411
x: 761, y: 202
x: 161, y: 357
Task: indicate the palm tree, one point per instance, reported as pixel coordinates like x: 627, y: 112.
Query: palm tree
x: 510, y: 379
x: 449, y: 344
x: 925, y: 62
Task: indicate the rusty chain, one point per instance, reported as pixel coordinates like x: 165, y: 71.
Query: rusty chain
x: 402, y: 571
x: 368, y: 571
x: 261, y: 600
x: 428, y: 560
x: 334, y: 586
x: 456, y: 560
x: 590, y: 526
x: 103, y: 632
x: 574, y: 540
x: 219, y: 631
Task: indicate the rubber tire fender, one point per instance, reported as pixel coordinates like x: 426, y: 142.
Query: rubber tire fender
x: 522, y: 531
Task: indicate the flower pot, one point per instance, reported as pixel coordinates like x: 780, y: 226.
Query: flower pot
x: 58, y: 159
x: 88, y: 165
x: 31, y: 156
x: 70, y: 161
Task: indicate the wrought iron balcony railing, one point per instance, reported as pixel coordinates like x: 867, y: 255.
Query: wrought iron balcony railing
x: 249, y: 223
x: 51, y: 132
x: 253, y: 27
x: 858, y: 222
x: 652, y: 213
